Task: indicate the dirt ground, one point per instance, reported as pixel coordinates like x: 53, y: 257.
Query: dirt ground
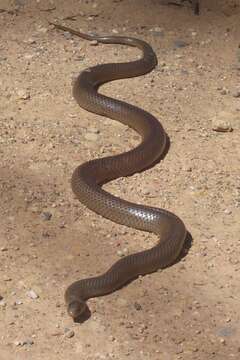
x: 48, y: 239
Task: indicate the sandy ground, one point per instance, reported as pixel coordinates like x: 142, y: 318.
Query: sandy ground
x: 48, y: 239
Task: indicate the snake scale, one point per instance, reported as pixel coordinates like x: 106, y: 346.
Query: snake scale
x: 88, y: 178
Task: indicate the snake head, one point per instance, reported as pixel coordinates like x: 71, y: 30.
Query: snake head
x: 76, y: 308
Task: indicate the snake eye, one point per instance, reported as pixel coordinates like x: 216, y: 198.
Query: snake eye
x: 76, y: 308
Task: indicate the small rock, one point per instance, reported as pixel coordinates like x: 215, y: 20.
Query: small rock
x: 68, y: 333
x: 179, y: 43
x: 79, y: 58
x: 137, y: 306
x: 45, y: 234
x: 187, y: 168
x: 3, y: 58
x: 23, y: 94
x: 120, y: 253
x: 67, y: 35
x: 17, y: 343
x: 28, y: 342
x: 46, y: 215
x: 123, y: 252
x: 18, y: 302
x: 7, y: 278
x: 223, y: 92
x: 34, y: 208
x: 227, y: 211
x: 148, y: 190
x: 24, y: 342
x: 42, y: 30
x: 145, y: 191
x: 179, y: 350
x: 157, y: 31
x: 221, y: 124
x: 32, y: 295
x: 62, y: 225
x: 30, y: 41
x: 93, y: 130
x: 93, y: 43
x: 3, y: 303
x: 236, y: 94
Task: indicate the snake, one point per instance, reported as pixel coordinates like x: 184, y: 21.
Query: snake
x: 88, y: 178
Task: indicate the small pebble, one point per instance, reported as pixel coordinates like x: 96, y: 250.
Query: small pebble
x: 3, y: 58
x: 68, y: 333
x: 46, y: 215
x: 148, y: 190
x: 18, y: 302
x: 93, y: 43
x: 120, y: 253
x: 6, y: 278
x: 27, y: 342
x: 221, y: 125
x: 227, y: 211
x: 223, y: 92
x: 236, y: 94
x: 67, y: 35
x: 42, y: 30
x: 23, y: 94
x: 157, y: 31
x: 179, y: 44
x: 30, y: 41
x: 137, y: 306
x: 45, y: 234
x: 31, y: 294
x: 3, y: 303
x: 17, y: 343
x: 93, y: 130
x: 187, y: 168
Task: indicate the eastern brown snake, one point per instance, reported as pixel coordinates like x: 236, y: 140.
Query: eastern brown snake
x: 88, y: 177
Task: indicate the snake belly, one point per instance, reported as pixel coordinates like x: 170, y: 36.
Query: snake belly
x: 88, y: 178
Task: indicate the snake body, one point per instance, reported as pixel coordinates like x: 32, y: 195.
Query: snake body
x: 88, y: 177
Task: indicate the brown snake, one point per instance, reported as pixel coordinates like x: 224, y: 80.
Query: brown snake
x: 88, y: 177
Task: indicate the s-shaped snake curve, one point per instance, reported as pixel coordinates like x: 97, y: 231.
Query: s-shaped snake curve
x: 88, y: 177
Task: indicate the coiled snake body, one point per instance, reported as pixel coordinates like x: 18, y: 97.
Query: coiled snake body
x: 88, y: 177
